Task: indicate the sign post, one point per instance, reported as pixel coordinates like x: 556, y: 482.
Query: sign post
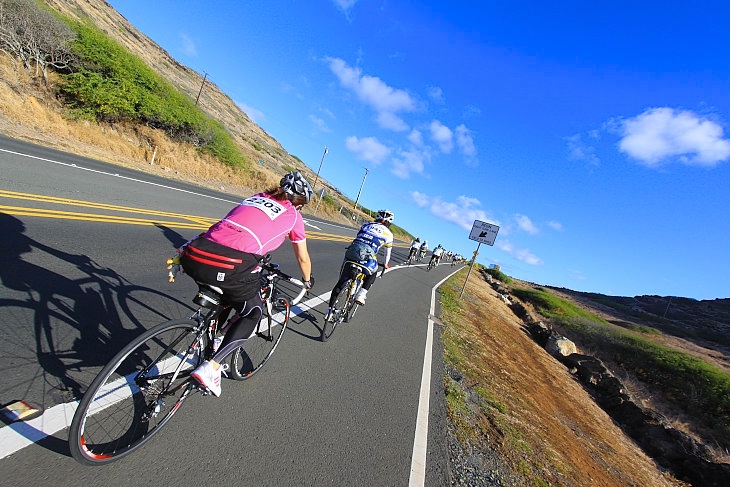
x: 321, y: 194
x: 482, y: 232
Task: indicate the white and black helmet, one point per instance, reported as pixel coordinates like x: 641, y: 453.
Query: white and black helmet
x: 294, y: 183
x: 385, y: 216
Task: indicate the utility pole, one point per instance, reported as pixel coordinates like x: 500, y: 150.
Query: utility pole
x: 320, y: 167
x: 361, y: 185
x: 201, y: 89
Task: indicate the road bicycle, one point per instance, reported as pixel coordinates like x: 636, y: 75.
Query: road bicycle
x: 345, y: 306
x: 143, y: 386
x: 432, y: 263
x: 412, y: 257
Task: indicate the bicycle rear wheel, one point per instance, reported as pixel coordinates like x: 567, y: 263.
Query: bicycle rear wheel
x: 136, y: 393
x: 337, y: 313
x: 258, y: 349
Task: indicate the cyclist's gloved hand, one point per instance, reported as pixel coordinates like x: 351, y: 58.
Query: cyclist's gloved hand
x: 387, y: 266
x: 310, y: 283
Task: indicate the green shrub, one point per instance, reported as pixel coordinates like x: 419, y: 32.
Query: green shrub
x: 499, y: 275
x: 109, y: 84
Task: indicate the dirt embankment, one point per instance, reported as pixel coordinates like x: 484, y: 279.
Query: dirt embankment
x: 527, y: 420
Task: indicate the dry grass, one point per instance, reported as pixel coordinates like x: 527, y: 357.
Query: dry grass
x: 526, y: 404
x: 31, y: 113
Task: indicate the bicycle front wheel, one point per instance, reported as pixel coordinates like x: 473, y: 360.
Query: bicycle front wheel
x: 337, y: 313
x: 258, y: 349
x: 351, y: 310
x: 136, y: 393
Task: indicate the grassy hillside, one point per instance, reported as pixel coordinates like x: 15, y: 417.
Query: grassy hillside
x: 122, y: 85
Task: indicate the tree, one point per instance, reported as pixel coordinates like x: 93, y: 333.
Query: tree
x: 35, y: 36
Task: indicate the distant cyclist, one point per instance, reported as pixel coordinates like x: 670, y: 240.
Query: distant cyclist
x: 423, y: 249
x: 415, y: 245
x: 362, y: 254
x: 436, y: 255
x: 228, y: 255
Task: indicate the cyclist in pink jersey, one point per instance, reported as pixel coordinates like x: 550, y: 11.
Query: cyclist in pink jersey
x: 228, y: 254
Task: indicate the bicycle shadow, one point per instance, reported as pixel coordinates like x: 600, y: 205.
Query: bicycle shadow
x: 307, y: 320
x: 77, y: 324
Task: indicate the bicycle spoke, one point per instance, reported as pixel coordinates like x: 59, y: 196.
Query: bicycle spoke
x: 136, y: 393
x: 258, y: 349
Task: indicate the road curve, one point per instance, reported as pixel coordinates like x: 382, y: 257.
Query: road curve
x: 82, y: 271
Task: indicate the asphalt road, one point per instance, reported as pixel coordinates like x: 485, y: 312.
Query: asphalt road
x: 82, y: 268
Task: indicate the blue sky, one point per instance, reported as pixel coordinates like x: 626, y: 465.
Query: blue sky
x: 596, y: 135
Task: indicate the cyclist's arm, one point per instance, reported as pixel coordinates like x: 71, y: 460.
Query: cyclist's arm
x: 387, y: 255
x: 302, y: 255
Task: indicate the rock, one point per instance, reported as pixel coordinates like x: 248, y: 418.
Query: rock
x: 540, y: 332
x: 559, y: 346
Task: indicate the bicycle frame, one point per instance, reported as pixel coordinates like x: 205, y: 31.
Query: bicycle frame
x: 146, y: 382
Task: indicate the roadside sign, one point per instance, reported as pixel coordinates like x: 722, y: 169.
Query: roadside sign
x: 322, y: 193
x: 483, y: 232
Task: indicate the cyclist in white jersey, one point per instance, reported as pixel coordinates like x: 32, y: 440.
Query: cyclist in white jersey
x: 436, y: 255
x: 415, y: 245
x: 362, y: 253
x: 423, y: 249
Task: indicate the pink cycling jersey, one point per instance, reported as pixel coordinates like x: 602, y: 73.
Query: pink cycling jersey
x: 258, y: 225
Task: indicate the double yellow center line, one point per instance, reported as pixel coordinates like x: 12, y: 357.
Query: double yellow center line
x: 116, y: 214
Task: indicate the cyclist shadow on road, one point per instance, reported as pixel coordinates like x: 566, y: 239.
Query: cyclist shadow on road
x: 174, y: 237
x: 76, y: 323
x: 305, y: 321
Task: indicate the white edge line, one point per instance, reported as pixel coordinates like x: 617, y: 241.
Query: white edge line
x: 76, y: 166
x: 420, y: 441
x: 21, y: 434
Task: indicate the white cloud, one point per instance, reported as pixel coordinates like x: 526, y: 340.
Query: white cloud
x: 390, y: 121
x: 367, y: 149
x: 436, y: 94
x: 557, y: 226
x: 465, y: 143
x: 443, y: 136
x: 188, y: 46
x: 420, y: 199
x: 527, y: 257
x: 526, y: 224
x: 254, y: 114
x: 345, y: 6
x: 385, y: 100
x: 523, y: 255
x: 320, y: 124
x: 578, y: 150
x: 661, y: 134
x: 415, y: 137
x: 462, y: 212
x: 408, y: 162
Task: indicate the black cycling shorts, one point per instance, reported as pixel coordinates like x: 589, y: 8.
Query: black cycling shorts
x: 217, y: 265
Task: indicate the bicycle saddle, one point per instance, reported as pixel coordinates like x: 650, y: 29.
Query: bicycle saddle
x: 208, y: 296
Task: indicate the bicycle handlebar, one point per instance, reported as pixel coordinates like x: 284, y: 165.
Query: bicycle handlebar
x: 301, y: 293
x: 274, y: 269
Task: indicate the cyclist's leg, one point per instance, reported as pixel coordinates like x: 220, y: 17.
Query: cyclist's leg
x: 369, y: 280
x: 239, y: 331
x: 347, y: 272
